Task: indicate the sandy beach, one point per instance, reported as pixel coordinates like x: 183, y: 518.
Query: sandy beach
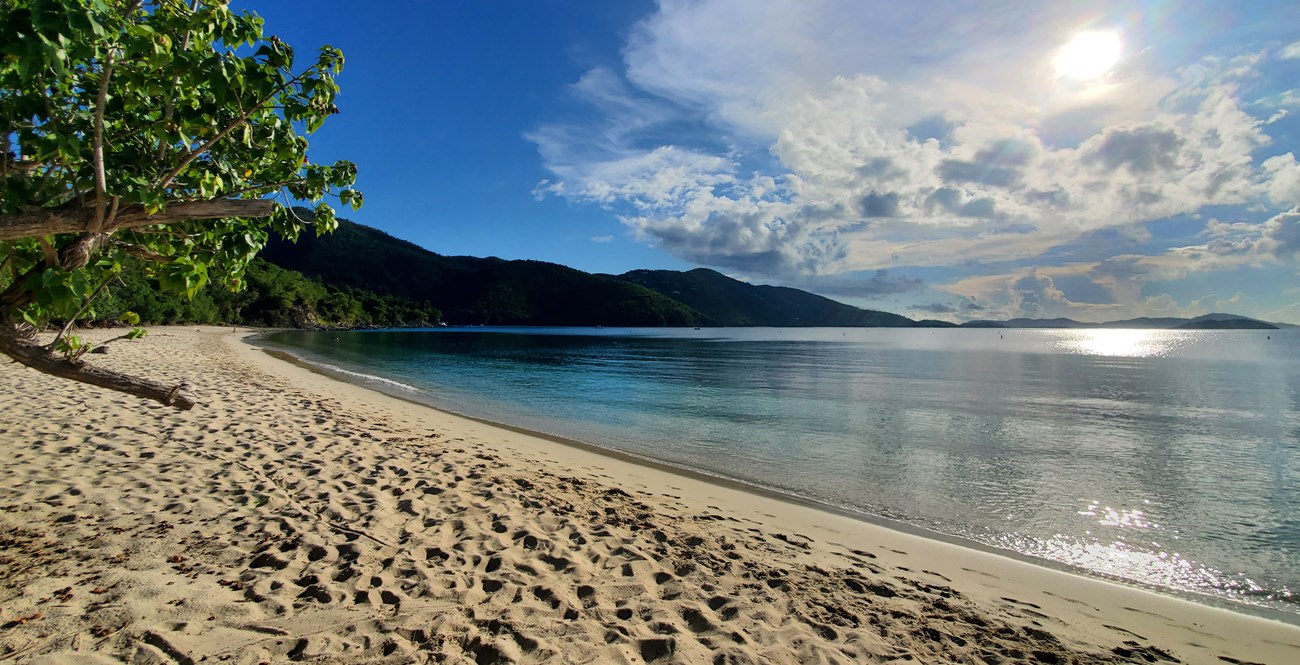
x: 291, y: 517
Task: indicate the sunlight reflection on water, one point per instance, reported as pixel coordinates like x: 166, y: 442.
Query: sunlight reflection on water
x: 1158, y: 568
x: 1115, y: 342
x: 1123, y: 517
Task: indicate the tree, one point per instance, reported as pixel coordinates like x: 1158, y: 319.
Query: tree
x: 167, y: 130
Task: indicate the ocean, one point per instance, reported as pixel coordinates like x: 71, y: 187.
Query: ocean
x: 1168, y: 459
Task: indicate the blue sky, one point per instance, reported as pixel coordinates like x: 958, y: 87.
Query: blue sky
x: 945, y: 159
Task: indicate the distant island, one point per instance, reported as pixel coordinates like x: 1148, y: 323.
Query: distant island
x: 1217, y: 321
x: 1238, y: 323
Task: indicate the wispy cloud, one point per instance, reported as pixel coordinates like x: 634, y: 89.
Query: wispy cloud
x: 1126, y: 278
x: 850, y: 137
x: 859, y: 285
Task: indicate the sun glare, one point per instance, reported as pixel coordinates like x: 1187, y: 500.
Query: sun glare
x: 1119, y: 342
x: 1088, y: 55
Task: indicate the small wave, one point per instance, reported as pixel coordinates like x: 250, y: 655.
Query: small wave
x: 359, y: 375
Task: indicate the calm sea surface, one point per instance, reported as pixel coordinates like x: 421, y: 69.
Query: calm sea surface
x: 1166, y: 458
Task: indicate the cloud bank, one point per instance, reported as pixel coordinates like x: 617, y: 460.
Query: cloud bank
x: 802, y: 141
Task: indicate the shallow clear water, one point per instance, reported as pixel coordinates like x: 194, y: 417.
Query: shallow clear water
x: 1168, y: 458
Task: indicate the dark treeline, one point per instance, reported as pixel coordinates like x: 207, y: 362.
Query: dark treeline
x: 492, y: 291
x: 272, y: 296
x: 359, y: 276
x: 730, y: 302
x: 477, y: 291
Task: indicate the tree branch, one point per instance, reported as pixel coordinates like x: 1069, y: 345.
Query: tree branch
x: 170, y: 107
x: 17, y: 295
x: 112, y: 211
x: 104, y: 344
x: 97, y: 154
x: 142, y: 253
x: 44, y: 221
x: 76, y: 254
x: 50, y: 170
x: 269, y: 186
x: 194, y: 154
x: 85, y: 304
x: 21, y: 165
x: 27, y: 352
x: 50, y: 254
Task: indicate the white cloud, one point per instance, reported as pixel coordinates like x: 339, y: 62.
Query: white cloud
x: 877, y: 284
x: 1033, y: 293
x: 1276, y: 240
x: 667, y: 179
x: 1035, y: 296
x: 737, y: 62
x: 1282, y: 174
x: 1290, y: 52
x: 1288, y: 314
x: 1281, y: 236
x: 829, y: 96
x: 602, y: 239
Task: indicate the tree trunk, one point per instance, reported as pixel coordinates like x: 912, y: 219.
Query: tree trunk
x: 45, y: 221
x: 37, y: 357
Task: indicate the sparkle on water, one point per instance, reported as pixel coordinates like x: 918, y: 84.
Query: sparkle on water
x: 1115, y: 342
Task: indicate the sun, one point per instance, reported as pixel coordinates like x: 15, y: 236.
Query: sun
x: 1089, y: 55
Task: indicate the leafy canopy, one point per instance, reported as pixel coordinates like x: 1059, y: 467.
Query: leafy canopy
x: 199, y: 107
x: 168, y: 130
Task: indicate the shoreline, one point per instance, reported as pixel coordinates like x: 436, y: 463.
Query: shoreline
x: 297, y: 517
x: 350, y: 377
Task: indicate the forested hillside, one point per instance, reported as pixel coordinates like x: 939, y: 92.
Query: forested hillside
x: 472, y: 291
x: 492, y: 291
x: 272, y: 296
x: 361, y: 276
x: 730, y: 302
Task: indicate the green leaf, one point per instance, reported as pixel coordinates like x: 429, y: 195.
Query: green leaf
x: 69, y: 346
x: 183, y: 75
x: 184, y: 275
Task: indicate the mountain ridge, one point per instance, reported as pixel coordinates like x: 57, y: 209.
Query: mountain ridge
x: 493, y: 291
x: 476, y: 291
x: 731, y: 302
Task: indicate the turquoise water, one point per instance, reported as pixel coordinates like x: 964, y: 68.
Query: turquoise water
x: 1166, y: 458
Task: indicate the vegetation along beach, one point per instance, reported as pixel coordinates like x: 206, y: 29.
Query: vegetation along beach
x: 704, y: 331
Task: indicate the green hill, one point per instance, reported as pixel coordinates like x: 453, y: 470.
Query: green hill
x: 730, y: 302
x: 492, y: 291
x: 469, y: 290
x: 273, y: 296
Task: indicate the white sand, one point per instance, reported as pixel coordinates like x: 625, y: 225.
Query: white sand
x: 292, y: 517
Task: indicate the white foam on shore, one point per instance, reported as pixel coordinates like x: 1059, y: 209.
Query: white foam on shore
x: 369, y: 378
